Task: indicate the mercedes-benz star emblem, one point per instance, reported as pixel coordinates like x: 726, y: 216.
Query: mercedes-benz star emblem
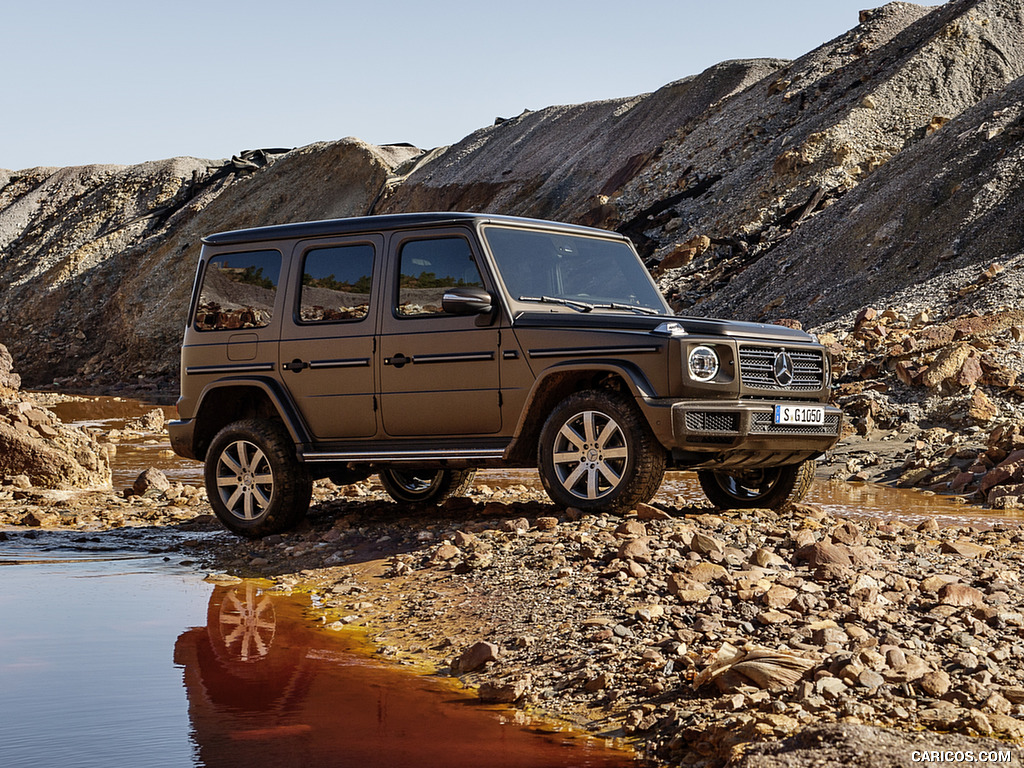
x: 783, y: 369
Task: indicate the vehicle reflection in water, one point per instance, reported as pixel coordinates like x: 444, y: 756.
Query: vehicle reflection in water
x: 265, y: 688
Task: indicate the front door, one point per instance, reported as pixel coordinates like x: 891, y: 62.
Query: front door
x: 439, y: 372
x: 327, y: 346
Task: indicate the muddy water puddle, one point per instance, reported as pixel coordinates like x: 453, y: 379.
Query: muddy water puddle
x: 121, y: 658
x: 134, y: 452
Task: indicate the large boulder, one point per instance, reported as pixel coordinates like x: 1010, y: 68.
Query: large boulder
x: 35, y: 444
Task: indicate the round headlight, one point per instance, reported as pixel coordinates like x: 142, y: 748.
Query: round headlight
x: 703, y: 363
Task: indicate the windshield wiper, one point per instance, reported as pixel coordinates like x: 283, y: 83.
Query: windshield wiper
x: 579, y: 306
x: 630, y: 307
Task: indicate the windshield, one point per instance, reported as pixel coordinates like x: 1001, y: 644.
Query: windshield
x: 575, y: 271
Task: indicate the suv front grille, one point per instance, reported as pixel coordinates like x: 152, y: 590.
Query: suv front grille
x: 757, y: 369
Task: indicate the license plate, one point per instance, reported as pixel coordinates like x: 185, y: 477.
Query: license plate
x: 802, y: 415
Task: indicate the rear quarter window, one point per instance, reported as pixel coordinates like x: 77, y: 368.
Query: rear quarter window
x: 238, y: 291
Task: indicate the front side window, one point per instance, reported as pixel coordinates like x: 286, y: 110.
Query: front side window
x: 336, y: 284
x: 239, y: 290
x: 430, y: 267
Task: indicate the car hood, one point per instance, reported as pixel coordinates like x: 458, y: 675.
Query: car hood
x: 698, y: 326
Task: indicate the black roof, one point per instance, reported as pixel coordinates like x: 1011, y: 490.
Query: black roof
x: 361, y: 224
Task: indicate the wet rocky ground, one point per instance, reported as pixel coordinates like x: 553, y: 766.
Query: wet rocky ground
x: 692, y: 632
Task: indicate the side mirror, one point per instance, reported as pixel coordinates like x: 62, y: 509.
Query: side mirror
x: 467, y: 301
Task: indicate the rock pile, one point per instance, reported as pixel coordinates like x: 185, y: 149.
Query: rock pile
x: 949, y: 388
x: 694, y: 632
x: 36, y: 449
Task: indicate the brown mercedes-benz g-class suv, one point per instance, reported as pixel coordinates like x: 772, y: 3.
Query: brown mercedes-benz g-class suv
x: 424, y: 346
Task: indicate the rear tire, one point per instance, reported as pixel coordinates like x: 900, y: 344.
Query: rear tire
x: 254, y: 481
x: 425, y: 486
x: 776, y: 488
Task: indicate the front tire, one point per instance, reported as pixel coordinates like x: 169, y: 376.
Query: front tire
x: 596, y: 453
x: 776, y: 488
x: 254, y: 481
x: 425, y: 486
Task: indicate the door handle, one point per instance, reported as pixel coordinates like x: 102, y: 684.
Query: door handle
x: 295, y: 365
x: 398, y: 360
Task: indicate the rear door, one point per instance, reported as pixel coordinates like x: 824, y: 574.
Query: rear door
x: 327, y: 343
x: 438, y: 372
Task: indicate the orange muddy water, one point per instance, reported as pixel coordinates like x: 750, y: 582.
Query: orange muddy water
x: 114, y: 660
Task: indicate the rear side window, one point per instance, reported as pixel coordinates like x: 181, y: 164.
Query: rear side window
x: 238, y: 291
x: 336, y: 284
x: 428, y: 268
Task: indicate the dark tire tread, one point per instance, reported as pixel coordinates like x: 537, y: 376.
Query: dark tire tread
x: 452, y: 482
x: 792, y: 485
x: 293, y: 487
x: 645, y: 470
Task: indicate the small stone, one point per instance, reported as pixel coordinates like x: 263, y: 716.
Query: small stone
x: 653, y: 658
x: 896, y: 659
x: 935, y: 684
x: 151, y: 479
x: 519, y: 525
x: 647, y: 512
x: 773, y: 617
x: 848, y: 534
x: 650, y: 612
x: 964, y: 548
x: 446, y: 552
x: 631, y: 528
x: 598, y: 683
x: 693, y: 595
x: 766, y: 558
x: 825, y: 553
x: 706, y: 572
x: 1006, y: 726
x: 999, y: 704
x: 546, y: 523
x: 870, y: 679
x: 636, y: 549
x: 937, y: 582
x: 635, y: 570
x: 779, y: 596
x: 476, y: 656
x: 962, y: 595
x: 705, y: 544
x: 503, y: 693
x: 21, y: 481
x: 830, y: 687
x: 833, y: 572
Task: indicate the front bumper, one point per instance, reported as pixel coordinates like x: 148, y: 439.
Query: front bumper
x: 740, y: 432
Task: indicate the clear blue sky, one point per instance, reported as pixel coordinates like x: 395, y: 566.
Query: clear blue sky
x: 124, y: 82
